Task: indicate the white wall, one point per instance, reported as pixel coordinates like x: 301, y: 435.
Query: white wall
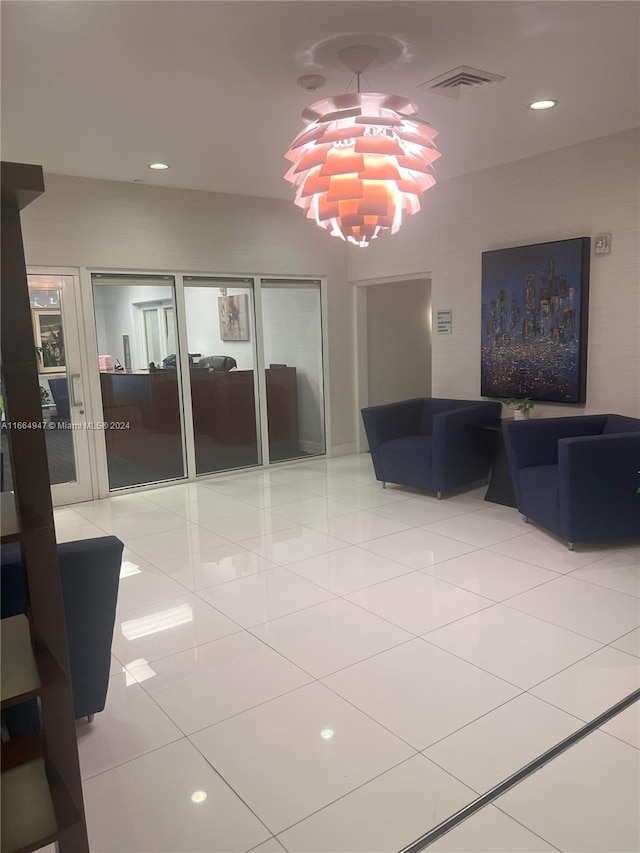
x: 398, y: 341
x: 82, y: 222
x: 203, y: 326
x: 572, y: 192
x: 115, y: 310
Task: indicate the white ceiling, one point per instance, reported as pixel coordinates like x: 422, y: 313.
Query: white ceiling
x: 100, y: 88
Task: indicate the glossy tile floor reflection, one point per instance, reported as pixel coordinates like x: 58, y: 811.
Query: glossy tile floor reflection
x: 303, y: 661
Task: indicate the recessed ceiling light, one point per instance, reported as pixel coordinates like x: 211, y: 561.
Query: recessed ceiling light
x: 158, y: 166
x: 198, y: 796
x: 542, y: 105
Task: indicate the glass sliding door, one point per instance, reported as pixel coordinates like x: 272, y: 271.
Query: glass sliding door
x: 292, y: 334
x: 222, y: 369
x: 139, y: 378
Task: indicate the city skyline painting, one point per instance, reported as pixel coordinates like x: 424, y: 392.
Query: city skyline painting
x: 534, y: 321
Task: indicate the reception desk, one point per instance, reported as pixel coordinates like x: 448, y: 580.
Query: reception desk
x: 224, y: 417
x: 224, y: 421
x: 148, y: 400
x: 143, y: 434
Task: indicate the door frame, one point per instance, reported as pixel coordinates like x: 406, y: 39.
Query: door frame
x: 84, y: 487
x: 102, y: 489
x: 360, y: 342
x: 183, y: 349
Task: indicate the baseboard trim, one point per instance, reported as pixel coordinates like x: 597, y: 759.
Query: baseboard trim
x: 314, y: 448
x: 343, y: 449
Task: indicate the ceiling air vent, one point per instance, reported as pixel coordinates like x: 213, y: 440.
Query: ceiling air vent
x: 456, y: 83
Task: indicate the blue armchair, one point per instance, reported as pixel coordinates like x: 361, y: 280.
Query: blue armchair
x: 60, y: 393
x: 90, y: 572
x: 577, y: 476
x: 430, y: 443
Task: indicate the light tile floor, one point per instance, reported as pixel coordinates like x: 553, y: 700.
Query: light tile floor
x: 303, y: 661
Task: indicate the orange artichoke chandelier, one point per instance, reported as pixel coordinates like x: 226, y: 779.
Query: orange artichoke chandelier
x: 361, y: 162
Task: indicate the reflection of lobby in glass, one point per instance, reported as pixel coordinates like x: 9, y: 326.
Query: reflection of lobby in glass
x: 292, y: 334
x: 221, y: 334
x: 136, y: 333
x: 47, y: 320
x: 222, y: 372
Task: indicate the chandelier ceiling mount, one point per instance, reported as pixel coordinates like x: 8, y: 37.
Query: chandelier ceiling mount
x: 358, y: 57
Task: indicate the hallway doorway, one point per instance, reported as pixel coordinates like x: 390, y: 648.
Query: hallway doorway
x: 393, y: 349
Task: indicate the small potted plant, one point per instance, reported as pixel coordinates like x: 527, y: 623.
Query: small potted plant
x: 521, y: 408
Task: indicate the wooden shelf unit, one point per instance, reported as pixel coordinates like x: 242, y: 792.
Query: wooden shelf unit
x: 41, y: 785
x: 20, y: 677
x: 36, y: 807
x: 27, y: 670
x: 14, y: 525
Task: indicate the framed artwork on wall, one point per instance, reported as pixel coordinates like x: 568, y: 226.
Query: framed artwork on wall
x: 233, y: 312
x: 534, y: 321
x: 49, y: 340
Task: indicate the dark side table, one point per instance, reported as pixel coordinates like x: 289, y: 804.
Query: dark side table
x: 500, y: 490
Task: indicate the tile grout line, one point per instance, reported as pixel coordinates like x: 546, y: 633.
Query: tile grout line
x: 320, y: 678
x: 425, y: 637
x: 415, y: 636
x: 357, y: 788
x: 467, y: 785
x: 555, y: 624
x: 184, y: 737
x: 407, y: 570
x: 511, y: 781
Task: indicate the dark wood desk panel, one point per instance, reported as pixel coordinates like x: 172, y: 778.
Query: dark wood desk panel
x: 149, y: 399
x: 224, y: 419
x: 282, y: 410
x: 224, y: 406
x: 150, y: 448
x: 125, y: 397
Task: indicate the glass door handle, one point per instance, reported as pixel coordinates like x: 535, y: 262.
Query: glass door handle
x: 72, y: 395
